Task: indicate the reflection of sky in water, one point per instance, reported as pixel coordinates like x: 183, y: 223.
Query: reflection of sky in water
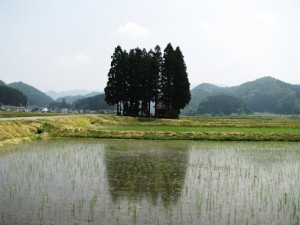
x: 150, y: 182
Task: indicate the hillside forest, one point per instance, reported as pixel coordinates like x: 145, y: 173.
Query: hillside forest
x: 266, y: 94
x: 11, y: 96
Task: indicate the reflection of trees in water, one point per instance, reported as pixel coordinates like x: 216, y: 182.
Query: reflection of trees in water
x: 154, y: 173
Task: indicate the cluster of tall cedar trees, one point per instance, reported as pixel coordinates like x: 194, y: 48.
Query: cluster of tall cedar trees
x: 138, y: 78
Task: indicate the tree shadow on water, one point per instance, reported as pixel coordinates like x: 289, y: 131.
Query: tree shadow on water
x: 153, y: 173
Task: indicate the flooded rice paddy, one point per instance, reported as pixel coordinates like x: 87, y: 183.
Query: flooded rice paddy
x: 150, y: 182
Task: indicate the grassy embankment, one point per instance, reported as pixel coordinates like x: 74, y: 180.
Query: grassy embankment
x: 26, y: 114
x: 187, y: 128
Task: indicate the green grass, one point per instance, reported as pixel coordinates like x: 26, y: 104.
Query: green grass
x: 202, y: 129
x: 119, y: 127
x: 27, y: 114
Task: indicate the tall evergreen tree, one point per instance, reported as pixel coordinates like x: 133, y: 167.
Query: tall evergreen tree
x: 146, y: 84
x: 135, y: 73
x: 175, y: 85
x: 167, y: 79
x: 139, y: 77
x: 182, y: 94
x: 155, y: 67
x: 116, y: 89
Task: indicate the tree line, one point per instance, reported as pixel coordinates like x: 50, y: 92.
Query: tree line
x: 222, y: 104
x: 139, y: 78
x: 96, y: 102
x: 11, y: 96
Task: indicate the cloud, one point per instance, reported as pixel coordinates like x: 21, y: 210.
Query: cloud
x: 74, y: 60
x: 25, y: 51
x: 132, y: 30
x: 247, y: 37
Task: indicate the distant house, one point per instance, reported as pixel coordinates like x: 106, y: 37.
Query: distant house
x: 13, y: 108
x: 45, y: 110
x: 64, y: 110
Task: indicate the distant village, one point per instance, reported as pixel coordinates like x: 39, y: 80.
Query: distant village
x: 5, y: 108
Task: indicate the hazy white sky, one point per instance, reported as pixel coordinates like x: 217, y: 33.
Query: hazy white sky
x: 67, y: 44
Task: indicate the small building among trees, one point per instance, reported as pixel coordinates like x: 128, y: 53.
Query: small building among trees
x: 137, y: 78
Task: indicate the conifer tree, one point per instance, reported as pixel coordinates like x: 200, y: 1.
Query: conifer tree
x: 175, y: 85
x: 116, y: 88
x: 156, y: 63
x: 139, y: 77
x: 167, y: 79
x: 182, y: 94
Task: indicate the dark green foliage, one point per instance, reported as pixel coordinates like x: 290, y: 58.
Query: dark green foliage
x: 156, y: 64
x: 135, y: 81
x: 222, y: 105
x: 168, y: 76
x: 117, y: 87
x: 202, y: 91
x: 172, y: 114
x: 60, y: 105
x: 175, y: 87
x: 71, y: 99
x: 268, y: 95
x: 139, y: 77
x: 182, y: 94
x: 92, y: 103
x: 34, y: 96
x: 11, y: 96
x: 263, y: 95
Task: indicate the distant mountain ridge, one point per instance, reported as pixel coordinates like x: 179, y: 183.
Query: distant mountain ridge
x: 59, y: 94
x: 34, y: 96
x: 72, y: 99
x: 38, y: 98
x: 200, y: 92
x: 266, y: 94
x: 96, y: 102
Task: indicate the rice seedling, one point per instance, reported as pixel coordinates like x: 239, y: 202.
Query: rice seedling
x: 150, y: 182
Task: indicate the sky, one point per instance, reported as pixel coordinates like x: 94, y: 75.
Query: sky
x: 67, y: 44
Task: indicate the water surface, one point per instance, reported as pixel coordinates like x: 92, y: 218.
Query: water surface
x: 150, y: 182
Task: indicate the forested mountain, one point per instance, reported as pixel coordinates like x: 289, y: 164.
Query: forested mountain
x: 71, y: 99
x: 2, y: 83
x: 59, y: 105
x: 10, y: 96
x: 270, y: 95
x: 34, y: 96
x: 266, y: 94
x: 202, y: 91
x: 223, y: 104
x: 92, y: 103
x: 59, y: 94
